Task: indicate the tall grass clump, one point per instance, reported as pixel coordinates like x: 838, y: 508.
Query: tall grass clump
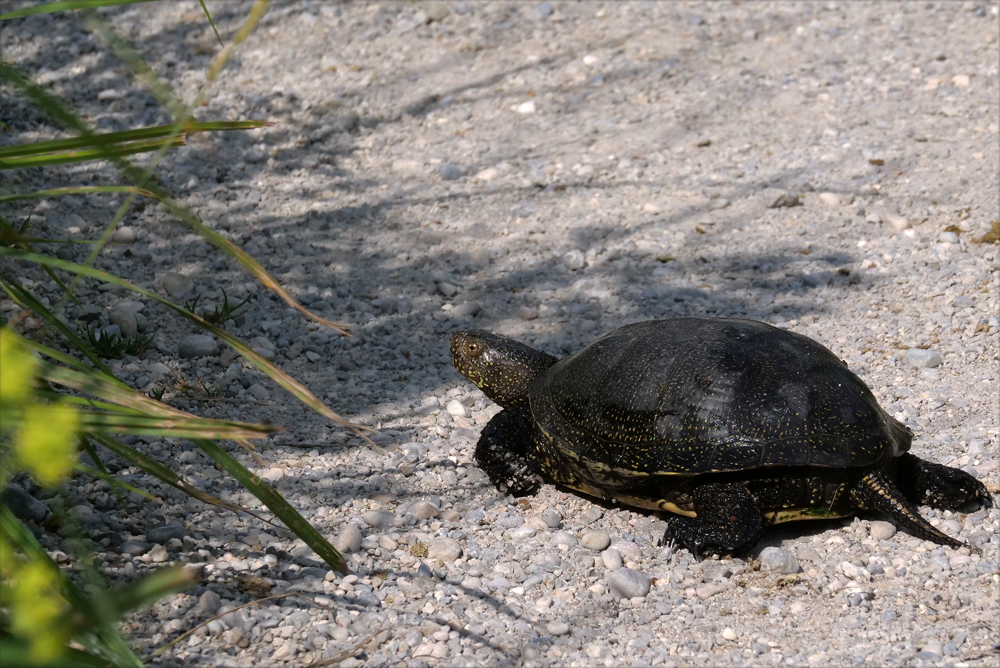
x: 61, y: 406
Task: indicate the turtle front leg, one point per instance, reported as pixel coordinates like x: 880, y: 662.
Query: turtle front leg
x: 926, y: 483
x: 502, y: 451
x: 728, y: 521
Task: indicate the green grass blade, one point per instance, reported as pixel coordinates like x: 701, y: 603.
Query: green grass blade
x: 150, y: 588
x: 74, y: 190
x: 165, y: 475
x: 277, y: 504
x: 27, y: 300
x: 88, y: 154
x: 66, y: 5
x: 112, y: 480
x: 125, y: 137
x: 204, y: 8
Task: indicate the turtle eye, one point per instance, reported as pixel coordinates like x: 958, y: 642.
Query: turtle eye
x: 473, y: 347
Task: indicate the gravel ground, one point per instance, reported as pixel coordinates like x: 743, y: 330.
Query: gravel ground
x: 549, y: 172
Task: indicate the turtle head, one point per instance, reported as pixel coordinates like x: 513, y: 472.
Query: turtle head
x: 502, y: 368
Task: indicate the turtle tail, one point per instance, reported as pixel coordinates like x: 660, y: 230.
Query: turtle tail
x: 876, y: 492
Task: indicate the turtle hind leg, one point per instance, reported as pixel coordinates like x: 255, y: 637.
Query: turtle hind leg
x: 938, y: 486
x: 876, y: 492
x: 728, y: 521
x: 502, y: 452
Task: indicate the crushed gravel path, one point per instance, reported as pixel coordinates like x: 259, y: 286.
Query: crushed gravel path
x: 548, y: 171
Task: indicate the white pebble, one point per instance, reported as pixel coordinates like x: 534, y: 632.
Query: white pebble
x: 444, y: 550
x: 456, y: 408
x: 197, y: 345
x: 628, y: 583
x: 177, y: 285
x: 526, y: 107
x: 923, y: 359
x: 596, y: 540
x: 830, y: 199
x: 124, y: 235
x: 881, y: 530
x: 349, y: 539
x: 424, y: 510
x: 729, y: 634
x: 612, y: 559
x: 557, y: 628
x: 778, y: 560
x: 897, y: 223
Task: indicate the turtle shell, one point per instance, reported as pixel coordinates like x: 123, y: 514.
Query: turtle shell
x: 691, y: 396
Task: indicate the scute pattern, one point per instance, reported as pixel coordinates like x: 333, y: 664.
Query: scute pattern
x: 691, y: 395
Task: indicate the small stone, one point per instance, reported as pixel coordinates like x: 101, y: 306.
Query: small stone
x: 286, y: 652
x: 456, y: 408
x: 590, y: 515
x: 881, y: 530
x: 404, y: 165
x: 855, y: 572
x: 124, y: 235
x: 134, y: 548
x: 612, y: 559
x: 447, y: 289
x: 197, y: 345
x: 729, y: 634
x: 627, y: 549
x: 125, y: 319
x: 526, y: 107
x: 557, y: 628
x: 527, y: 313
x: 436, y: 10
x: 259, y: 392
x: 961, y: 80
x: 948, y: 238
x: 487, y: 174
x: 450, y: 172
x: 596, y: 540
x: 424, y: 510
x: 208, y: 604
x: 778, y: 560
x: 544, y: 10
x: 923, y: 359
x: 273, y: 474
x: 551, y: 518
x: 177, y: 285
x: 896, y: 222
x: 232, y: 637
x: 574, y: 259
x: 563, y: 538
x: 830, y: 199
x: 444, y: 550
x: 466, y: 310
x: 349, y: 539
x: 522, y: 532
x: 628, y: 583
x: 163, y: 533
x: 23, y: 505
x: 379, y: 519
x: 709, y: 589
x: 158, y: 554
x: 785, y: 200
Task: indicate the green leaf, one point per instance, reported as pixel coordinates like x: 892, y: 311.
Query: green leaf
x: 108, y: 639
x: 277, y: 504
x: 66, y: 5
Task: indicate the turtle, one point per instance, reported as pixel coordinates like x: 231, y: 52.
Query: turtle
x: 729, y: 424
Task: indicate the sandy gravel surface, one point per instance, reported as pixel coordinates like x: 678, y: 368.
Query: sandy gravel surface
x: 551, y: 172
